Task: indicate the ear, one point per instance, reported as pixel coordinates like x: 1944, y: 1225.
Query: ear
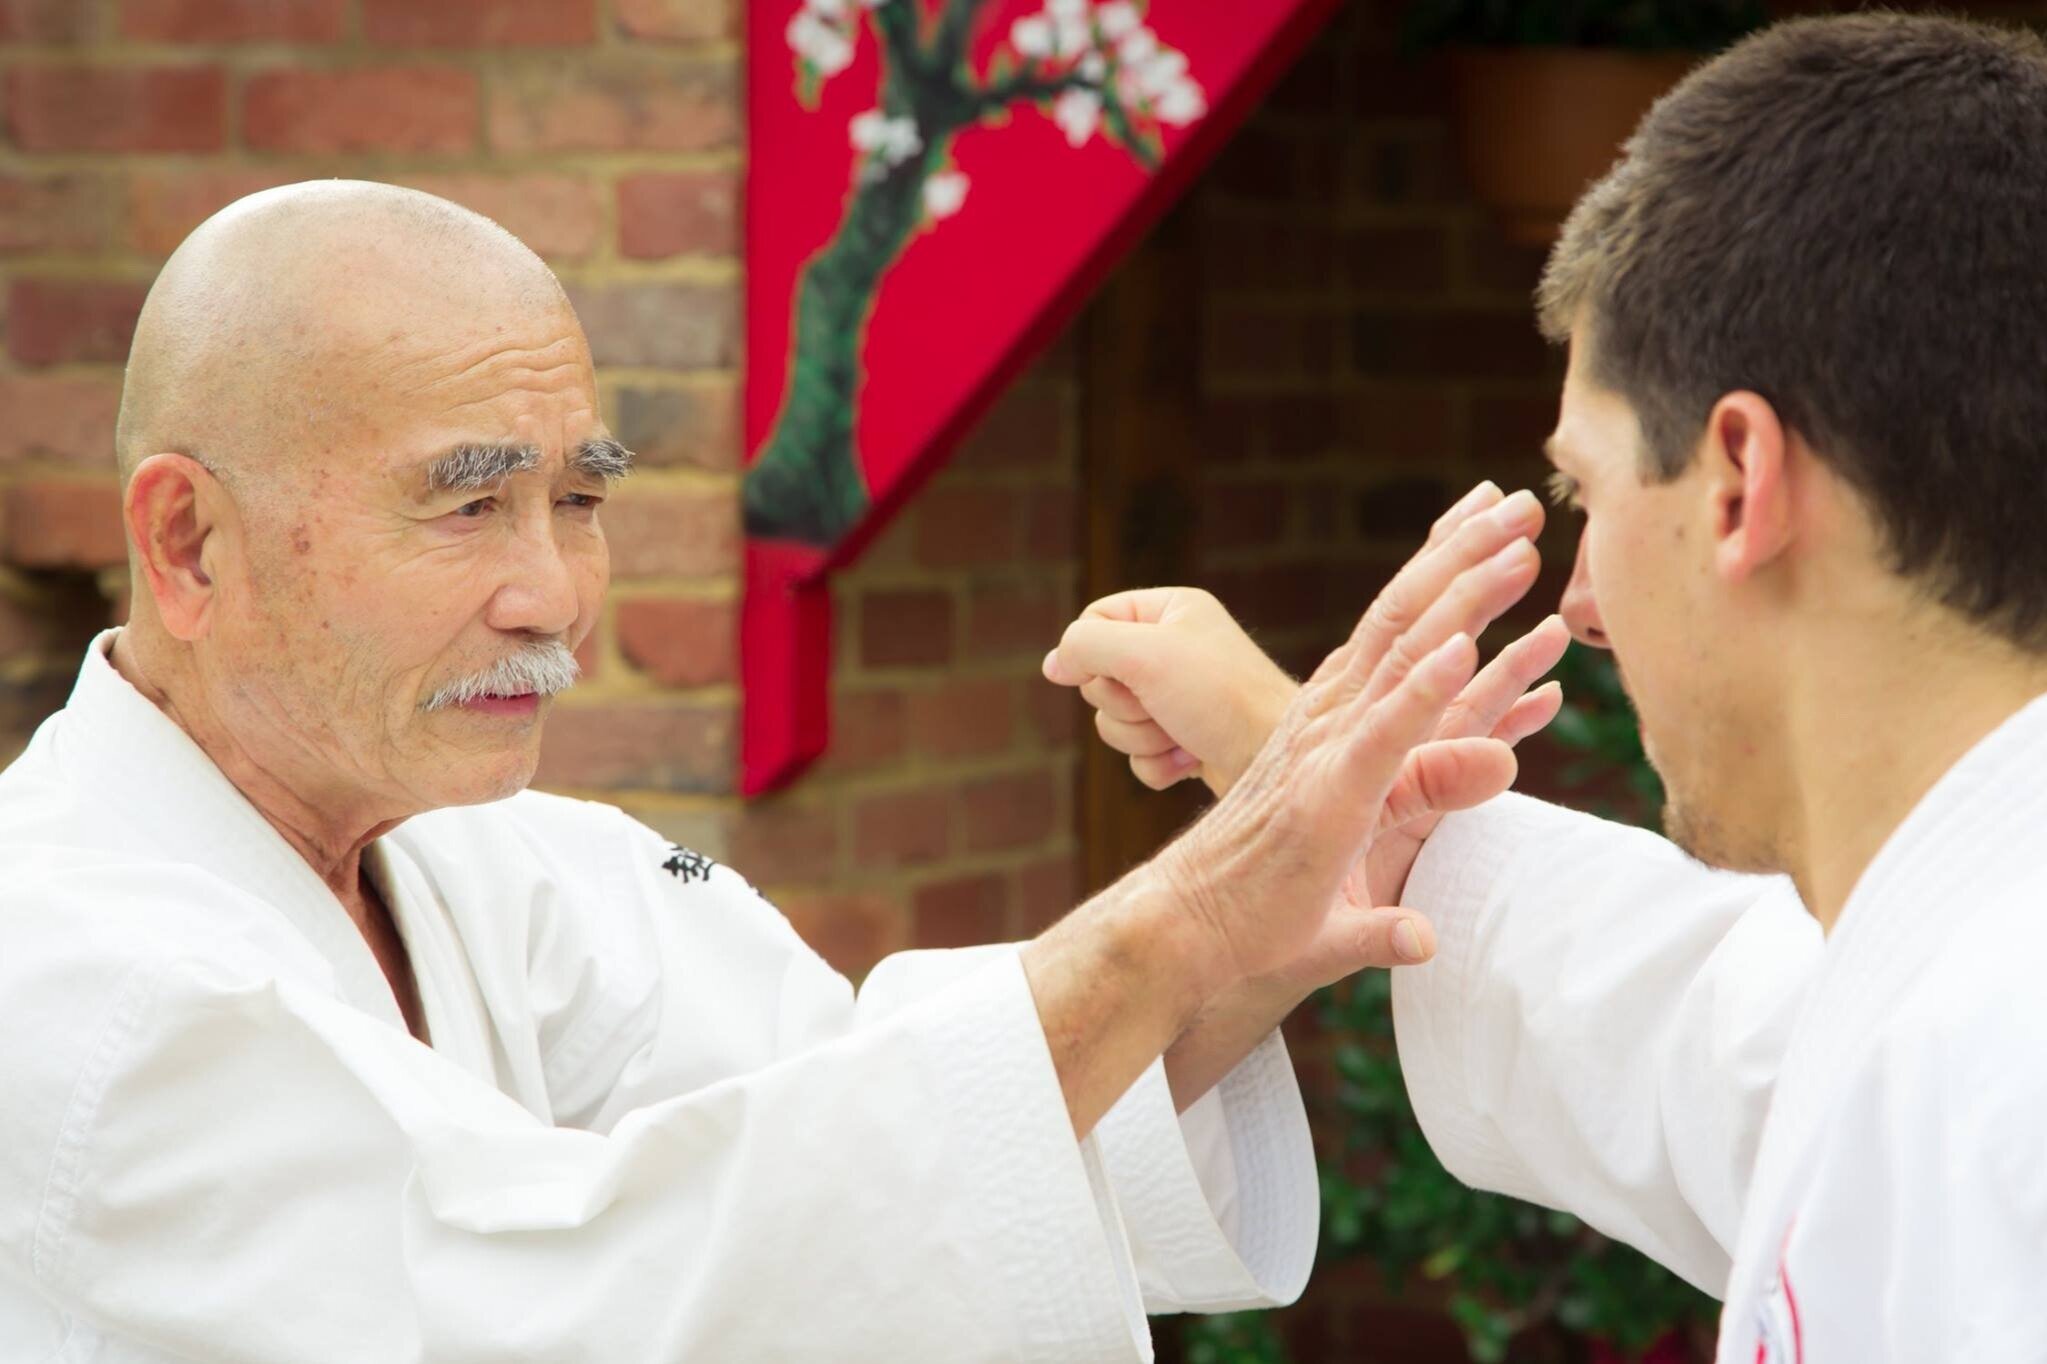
x: 174, y: 508
x: 1743, y: 456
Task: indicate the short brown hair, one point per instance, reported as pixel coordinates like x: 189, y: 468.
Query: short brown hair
x: 1848, y: 216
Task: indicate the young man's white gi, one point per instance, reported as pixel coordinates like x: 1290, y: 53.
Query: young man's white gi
x: 652, y: 1125
x: 1846, y: 1138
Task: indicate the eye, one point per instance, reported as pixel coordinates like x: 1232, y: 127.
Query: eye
x: 580, y: 501
x: 473, y: 510
x: 1563, y: 491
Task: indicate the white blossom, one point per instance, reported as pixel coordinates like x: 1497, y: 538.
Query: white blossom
x: 1116, y: 20
x: 1093, y: 67
x: 1138, y: 46
x: 820, y: 42
x: 1078, y: 113
x: 944, y: 193
x: 1180, y: 105
x: 892, y: 140
x: 1033, y: 36
x: 834, y: 10
x: 1066, y: 10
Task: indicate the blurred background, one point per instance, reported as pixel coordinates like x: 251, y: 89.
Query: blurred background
x: 1325, y: 341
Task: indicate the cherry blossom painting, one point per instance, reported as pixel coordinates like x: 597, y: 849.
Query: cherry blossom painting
x: 933, y: 188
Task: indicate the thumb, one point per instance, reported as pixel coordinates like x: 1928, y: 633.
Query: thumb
x: 1354, y: 938
x: 1093, y: 647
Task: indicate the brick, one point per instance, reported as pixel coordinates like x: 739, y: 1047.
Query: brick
x: 679, y: 641
x: 479, y: 23
x: 669, y: 533
x: 967, y: 527
x: 1491, y: 264
x: 964, y: 717
x: 1052, y: 524
x: 1401, y: 510
x: 660, y: 326
x: 46, y: 523
x: 1010, y: 811
x: 1256, y: 342
x: 665, y: 106
x: 638, y: 746
x: 53, y: 213
x: 696, y: 426
x: 117, y: 109
x: 1286, y: 253
x: 1015, y: 620
x: 420, y: 109
x: 963, y: 911
x: 678, y: 21
x: 1464, y: 343
x: 678, y: 213
x: 905, y: 629
x: 165, y: 206
x: 775, y: 842
x: 1027, y: 428
x: 903, y: 828
x: 44, y: 21
x: 870, y: 730
x: 1397, y: 421
x: 65, y: 419
x: 232, y: 21
x: 58, y: 321
x: 850, y: 931
x: 1046, y: 890
x: 1241, y: 516
x: 1511, y: 427
x: 1286, y: 596
x: 1397, y: 259
x: 559, y: 216
x: 1056, y: 713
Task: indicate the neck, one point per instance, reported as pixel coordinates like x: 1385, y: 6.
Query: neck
x: 329, y: 834
x: 1877, y: 723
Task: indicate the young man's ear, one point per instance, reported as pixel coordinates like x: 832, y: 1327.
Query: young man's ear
x: 1744, y: 453
x: 173, y: 507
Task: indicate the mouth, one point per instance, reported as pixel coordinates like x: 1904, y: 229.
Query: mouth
x: 519, y: 706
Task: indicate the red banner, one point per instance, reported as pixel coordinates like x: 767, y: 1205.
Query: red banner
x: 934, y: 186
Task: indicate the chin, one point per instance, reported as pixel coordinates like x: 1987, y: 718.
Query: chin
x: 485, y: 781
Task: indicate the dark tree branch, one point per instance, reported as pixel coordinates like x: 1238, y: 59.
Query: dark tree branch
x: 993, y: 99
x: 955, y: 26
x: 896, y: 22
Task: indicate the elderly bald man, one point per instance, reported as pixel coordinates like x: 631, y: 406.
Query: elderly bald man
x: 328, y: 1042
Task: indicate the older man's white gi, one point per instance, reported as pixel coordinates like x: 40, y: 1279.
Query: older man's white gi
x: 1845, y: 1138
x: 652, y: 1124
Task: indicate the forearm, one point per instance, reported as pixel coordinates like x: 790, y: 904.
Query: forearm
x: 1116, y: 983
x: 1226, y: 1032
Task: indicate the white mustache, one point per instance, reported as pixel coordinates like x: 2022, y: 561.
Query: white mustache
x: 546, y: 668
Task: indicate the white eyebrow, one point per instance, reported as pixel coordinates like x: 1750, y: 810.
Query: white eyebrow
x: 602, y: 458
x: 472, y: 468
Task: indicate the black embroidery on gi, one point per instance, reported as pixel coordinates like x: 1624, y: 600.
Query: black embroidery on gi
x: 689, y: 866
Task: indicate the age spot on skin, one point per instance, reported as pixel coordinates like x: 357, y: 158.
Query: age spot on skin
x: 301, y: 543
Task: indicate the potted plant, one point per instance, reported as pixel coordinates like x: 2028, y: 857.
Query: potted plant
x: 1545, y: 91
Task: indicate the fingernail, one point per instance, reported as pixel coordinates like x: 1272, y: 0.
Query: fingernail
x: 1048, y: 667
x: 1407, y: 941
x: 1516, y: 508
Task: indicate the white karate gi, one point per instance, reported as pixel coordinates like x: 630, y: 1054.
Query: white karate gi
x: 1845, y: 1138
x: 652, y: 1124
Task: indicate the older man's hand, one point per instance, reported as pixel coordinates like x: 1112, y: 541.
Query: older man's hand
x: 1180, y: 688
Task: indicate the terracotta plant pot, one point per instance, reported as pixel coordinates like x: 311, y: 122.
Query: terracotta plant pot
x: 1536, y: 125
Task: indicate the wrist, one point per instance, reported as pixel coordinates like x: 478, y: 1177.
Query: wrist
x: 1261, y: 711
x: 1170, y: 918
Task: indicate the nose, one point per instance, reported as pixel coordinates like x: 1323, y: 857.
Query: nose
x: 537, y: 594
x: 1579, y: 610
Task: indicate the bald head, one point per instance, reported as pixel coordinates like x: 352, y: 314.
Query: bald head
x: 294, y: 310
